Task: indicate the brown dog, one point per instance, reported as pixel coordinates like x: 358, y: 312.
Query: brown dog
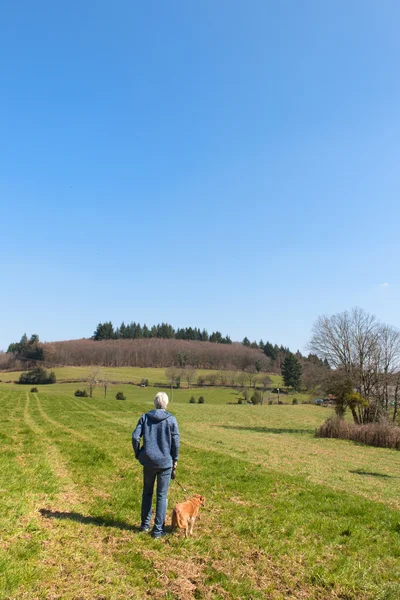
x: 185, y: 513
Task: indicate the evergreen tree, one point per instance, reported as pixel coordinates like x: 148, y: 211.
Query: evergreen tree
x: 246, y: 342
x: 216, y: 337
x: 122, y: 333
x: 104, y: 331
x: 27, y: 348
x: 270, y: 351
x: 291, y: 371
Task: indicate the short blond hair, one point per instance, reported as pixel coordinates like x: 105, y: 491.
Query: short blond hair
x: 161, y: 400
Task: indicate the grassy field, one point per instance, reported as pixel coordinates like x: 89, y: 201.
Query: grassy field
x: 132, y: 374
x: 288, y: 515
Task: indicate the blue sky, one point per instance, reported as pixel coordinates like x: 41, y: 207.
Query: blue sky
x: 223, y: 164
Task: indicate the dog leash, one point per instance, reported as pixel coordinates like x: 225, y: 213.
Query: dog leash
x: 181, y: 486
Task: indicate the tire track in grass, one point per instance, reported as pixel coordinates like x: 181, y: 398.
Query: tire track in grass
x: 64, y: 428
x: 98, y: 569
x: 91, y: 410
x: 17, y: 406
x: 27, y: 416
x: 15, y: 403
x: 102, y: 414
x: 68, y: 494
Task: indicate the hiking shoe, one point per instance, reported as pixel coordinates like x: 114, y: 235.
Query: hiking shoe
x: 157, y: 536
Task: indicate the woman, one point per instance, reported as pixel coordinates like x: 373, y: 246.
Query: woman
x: 158, y: 455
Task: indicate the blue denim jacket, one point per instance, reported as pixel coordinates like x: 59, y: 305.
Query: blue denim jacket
x: 160, y: 433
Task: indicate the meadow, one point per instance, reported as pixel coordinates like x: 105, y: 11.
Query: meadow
x: 124, y: 374
x: 287, y: 515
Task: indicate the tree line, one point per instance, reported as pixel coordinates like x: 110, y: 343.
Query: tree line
x: 164, y: 352
x: 136, y: 331
x: 29, y: 348
x: 153, y: 352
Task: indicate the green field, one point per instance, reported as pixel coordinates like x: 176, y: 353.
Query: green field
x: 287, y: 515
x: 131, y: 374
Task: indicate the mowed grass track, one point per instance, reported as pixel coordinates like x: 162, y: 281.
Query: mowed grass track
x: 287, y: 515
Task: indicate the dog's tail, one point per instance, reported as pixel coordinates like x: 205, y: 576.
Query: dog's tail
x: 174, y: 520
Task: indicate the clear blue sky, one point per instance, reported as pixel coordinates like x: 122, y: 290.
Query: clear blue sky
x: 225, y: 164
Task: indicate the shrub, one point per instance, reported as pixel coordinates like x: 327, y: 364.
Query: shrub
x: 270, y: 401
x: 201, y: 381
x: 37, y: 375
x: 120, y: 396
x: 192, y: 400
x: 295, y: 401
x: 34, y: 390
x: 256, y: 397
x: 144, y: 382
x: 201, y: 400
x: 382, y: 435
x: 81, y: 394
x: 240, y: 401
x: 245, y: 394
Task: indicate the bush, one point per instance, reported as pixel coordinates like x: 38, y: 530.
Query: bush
x: 270, y: 402
x: 201, y: 400
x: 81, y: 394
x: 256, y: 397
x: 34, y: 390
x: 120, y: 396
x: 295, y: 401
x: 192, y: 400
x: 240, y: 401
x: 37, y: 375
x: 382, y: 435
x: 144, y: 382
x: 201, y: 381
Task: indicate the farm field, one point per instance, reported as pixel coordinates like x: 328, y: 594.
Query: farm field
x: 287, y: 515
x: 132, y: 374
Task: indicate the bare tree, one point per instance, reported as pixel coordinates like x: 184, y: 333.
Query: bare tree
x: 173, y: 375
x: 389, y: 364
x: 92, y: 379
x: 241, y: 378
x: 105, y: 382
x: 362, y: 351
x: 251, y: 374
x: 190, y: 375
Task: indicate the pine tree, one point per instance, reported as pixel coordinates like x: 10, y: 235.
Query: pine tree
x: 104, y: 331
x: 270, y: 351
x: 291, y: 371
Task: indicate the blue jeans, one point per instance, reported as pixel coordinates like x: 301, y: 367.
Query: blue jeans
x: 163, y: 479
